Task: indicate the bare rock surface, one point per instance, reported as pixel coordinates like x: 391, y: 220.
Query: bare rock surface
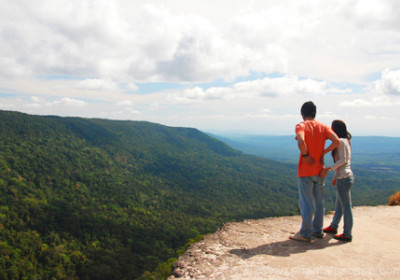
x: 260, y: 249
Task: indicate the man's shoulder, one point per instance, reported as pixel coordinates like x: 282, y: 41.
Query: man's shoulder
x: 321, y: 124
x: 300, y: 127
x: 309, y: 126
x: 311, y: 123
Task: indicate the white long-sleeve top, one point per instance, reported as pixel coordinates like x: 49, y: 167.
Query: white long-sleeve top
x: 342, y: 165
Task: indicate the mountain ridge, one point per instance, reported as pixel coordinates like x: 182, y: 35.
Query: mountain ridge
x: 369, y: 152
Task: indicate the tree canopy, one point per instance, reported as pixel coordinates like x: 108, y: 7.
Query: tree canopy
x: 102, y: 199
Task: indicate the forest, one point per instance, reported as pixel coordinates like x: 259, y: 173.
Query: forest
x: 102, y: 199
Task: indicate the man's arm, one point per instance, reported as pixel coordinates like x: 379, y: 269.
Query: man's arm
x: 335, y: 143
x: 301, y: 143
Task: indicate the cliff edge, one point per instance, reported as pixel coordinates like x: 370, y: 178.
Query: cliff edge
x: 260, y: 249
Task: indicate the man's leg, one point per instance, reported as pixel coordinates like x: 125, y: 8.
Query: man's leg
x: 306, y: 205
x: 318, y: 192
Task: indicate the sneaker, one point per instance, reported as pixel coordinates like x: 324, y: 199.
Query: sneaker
x: 343, y: 237
x: 318, y: 235
x: 330, y: 230
x: 298, y: 237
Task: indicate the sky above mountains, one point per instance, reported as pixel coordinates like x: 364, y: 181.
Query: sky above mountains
x: 219, y: 66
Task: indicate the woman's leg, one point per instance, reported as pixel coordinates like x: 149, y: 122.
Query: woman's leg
x: 338, y: 213
x: 344, y: 187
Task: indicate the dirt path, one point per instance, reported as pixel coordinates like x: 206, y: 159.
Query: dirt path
x: 260, y: 249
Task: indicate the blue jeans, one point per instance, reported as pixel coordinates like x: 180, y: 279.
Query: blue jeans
x: 311, y: 195
x: 343, y: 205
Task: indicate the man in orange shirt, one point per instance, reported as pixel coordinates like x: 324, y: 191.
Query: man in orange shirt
x: 311, y: 136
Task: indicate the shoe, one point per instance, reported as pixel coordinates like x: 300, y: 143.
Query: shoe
x: 343, y: 237
x: 318, y: 235
x: 298, y: 237
x: 330, y: 230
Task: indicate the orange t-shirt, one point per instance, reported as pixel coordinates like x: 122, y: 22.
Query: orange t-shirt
x: 315, y: 135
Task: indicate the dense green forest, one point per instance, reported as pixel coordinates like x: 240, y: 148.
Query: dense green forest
x: 102, y: 199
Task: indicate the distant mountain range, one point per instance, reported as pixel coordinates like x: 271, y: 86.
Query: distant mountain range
x: 369, y: 152
x: 101, y: 199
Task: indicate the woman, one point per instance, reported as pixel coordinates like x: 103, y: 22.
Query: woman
x: 343, y: 180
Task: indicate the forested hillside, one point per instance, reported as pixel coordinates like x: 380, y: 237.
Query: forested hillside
x: 375, y: 162
x: 100, y: 199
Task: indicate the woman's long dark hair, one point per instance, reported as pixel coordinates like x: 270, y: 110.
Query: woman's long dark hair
x: 339, y: 127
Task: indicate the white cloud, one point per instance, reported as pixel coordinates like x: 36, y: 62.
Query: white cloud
x: 356, y: 103
x: 377, y: 101
x: 125, y: 103
x: 329, y: 116
x: 11, y: 68
x: 45, y: 106
x: 35, y: 99
x: 265, y: 110
x: 131, y: 87
x: 96, y: 85
x: 106, y: 51
x: 284, y: 86
x: 174, y: 41
x: 270, y: 116
x: 371, y: 117
x: 33, y: 105
x: 133, y: 112
x: 197, y: 94
x: 389, y: 83
x: 69, y: 102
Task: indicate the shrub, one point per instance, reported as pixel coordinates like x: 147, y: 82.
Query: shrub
x: 394, y: 199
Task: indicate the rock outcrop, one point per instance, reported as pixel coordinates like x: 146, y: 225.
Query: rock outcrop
x: 260, y: 249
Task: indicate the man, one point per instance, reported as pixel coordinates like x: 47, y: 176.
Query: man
x: 311, y: 136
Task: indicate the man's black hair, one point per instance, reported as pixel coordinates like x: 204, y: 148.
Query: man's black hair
x: 309, y: 110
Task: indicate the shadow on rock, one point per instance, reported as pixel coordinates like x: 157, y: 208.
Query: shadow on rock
x: 285, y: 248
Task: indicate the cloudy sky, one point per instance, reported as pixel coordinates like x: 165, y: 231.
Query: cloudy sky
x: 216, y: 65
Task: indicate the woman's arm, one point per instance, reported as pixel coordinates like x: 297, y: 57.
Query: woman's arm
x: 341, y: 156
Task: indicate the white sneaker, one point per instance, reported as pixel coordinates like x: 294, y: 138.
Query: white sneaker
x: 298, y: 237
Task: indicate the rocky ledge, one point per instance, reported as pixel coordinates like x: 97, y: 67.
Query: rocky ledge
x: 260, y: 249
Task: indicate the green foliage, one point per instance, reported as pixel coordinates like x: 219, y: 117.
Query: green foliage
x: 164, y: 270
x: 99, y: 199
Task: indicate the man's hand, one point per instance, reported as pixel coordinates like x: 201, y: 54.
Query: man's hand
x: 334, y: 181
x: 322, y: 160
x: 324, y: 172
x: 309, y: 160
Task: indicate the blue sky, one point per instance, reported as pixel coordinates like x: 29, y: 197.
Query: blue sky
x: 217, y: 66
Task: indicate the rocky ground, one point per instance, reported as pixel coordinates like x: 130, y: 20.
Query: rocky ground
x: 260, y: 249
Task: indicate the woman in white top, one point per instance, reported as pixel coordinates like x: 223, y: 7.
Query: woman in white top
x: 343, y: 180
